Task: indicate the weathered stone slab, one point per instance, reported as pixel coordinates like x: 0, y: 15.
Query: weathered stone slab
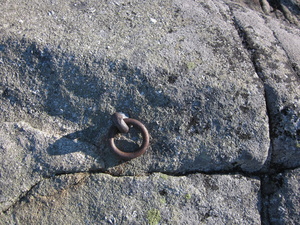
x: 154, y: 199
x: 185, y: 75
x: 275, y: 51
x: 282, y: 201
x: 177, y: 66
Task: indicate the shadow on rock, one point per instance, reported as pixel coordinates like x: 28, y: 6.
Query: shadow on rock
x: 92, y: 145
x: 82, y: 91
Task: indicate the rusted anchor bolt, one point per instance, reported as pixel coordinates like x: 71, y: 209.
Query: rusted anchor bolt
x: 121, y: 125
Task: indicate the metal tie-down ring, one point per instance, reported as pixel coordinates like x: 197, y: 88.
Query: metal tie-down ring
x: 121, y: 125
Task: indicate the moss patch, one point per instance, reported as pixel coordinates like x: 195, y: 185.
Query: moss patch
x: 191, y: 65
x: 153, y: 216
x: 162, y: 200
x: 188, y: 196
x: 164, y: 176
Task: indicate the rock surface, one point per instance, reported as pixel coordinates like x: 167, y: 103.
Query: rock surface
x: 158, y: 198
x: 219, y: 97
x: 215, y: 82
x: 282, y: 197
x: 276, y: 57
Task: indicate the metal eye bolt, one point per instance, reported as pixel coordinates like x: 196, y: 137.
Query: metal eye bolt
x: 121, y: 125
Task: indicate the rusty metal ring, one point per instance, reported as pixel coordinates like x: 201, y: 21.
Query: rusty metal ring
x: 141, y: 150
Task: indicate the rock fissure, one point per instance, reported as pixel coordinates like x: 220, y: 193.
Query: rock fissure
x: 252, y: 51
x: 22, y: 197
x: 249, y: 47
x: 264, y: 214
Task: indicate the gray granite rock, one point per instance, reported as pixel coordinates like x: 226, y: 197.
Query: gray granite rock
x: 282, y: 197
x: 154, y: 199
x: 215, y: 82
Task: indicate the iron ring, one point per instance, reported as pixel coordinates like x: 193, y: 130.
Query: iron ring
x: 130, y: 155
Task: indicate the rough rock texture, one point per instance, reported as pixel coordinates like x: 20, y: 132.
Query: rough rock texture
x: 25, y: 160
x: 282, y: 197
x: 101, y: 199
x: 276, y: 56
x: 215, y: 82
x: 189, y: 68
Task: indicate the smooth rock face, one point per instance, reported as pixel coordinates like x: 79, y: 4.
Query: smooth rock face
x: 215, y: 82
x: 103, y: 199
